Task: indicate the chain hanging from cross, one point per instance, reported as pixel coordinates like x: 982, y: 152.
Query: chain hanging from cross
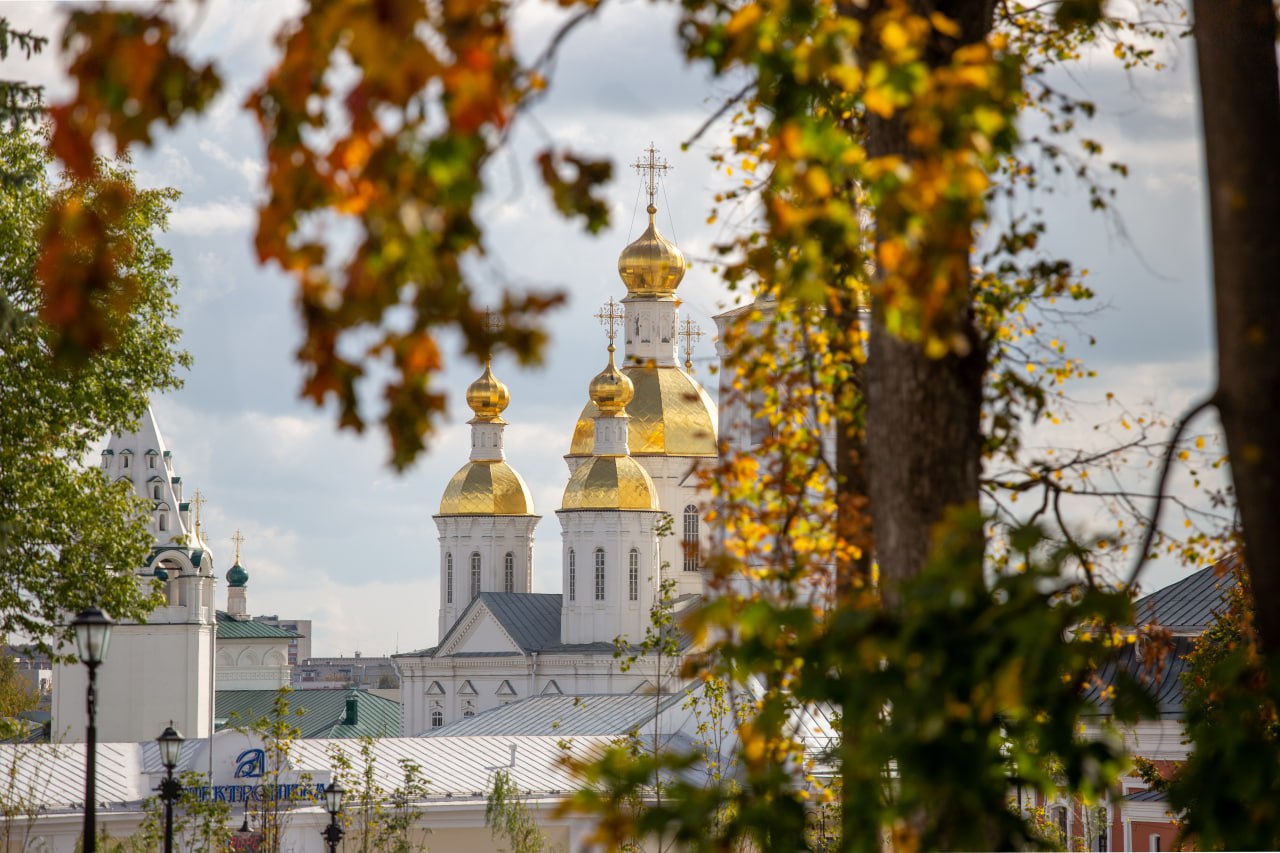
x: 692, y: 333
x: 611, y: 317
x: 237, y: 539
x: 198, y: 501
x: 651, y: 167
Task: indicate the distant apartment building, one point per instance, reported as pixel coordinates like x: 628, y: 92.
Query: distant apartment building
x: 299, y: 648
x: 367, y: 673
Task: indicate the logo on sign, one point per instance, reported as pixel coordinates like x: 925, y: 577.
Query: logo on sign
x: 249, y: 764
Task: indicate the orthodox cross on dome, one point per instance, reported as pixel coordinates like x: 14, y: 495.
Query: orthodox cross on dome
x: 198, y: 501
x: 691, y: 333
x: 610, y: 317
x: 492, y: 324
x: 651, y: 167
x: 237, y: 539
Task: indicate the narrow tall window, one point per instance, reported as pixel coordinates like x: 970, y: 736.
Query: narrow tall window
x: 633, y: 575
x: 164, y: 521
x: 448, y: 578
x: 437, y: 718
x: 155, y: 491
x: 126, y: 459
x: 599, y: 574
x: 573, y: 577
x: 691, y: 538
x: 509, y: 572
x: 475, y: 573
x: 151, y: 461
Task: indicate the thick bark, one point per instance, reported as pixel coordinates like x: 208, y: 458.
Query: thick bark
x: 1240, y: 106
x: 923, y: 424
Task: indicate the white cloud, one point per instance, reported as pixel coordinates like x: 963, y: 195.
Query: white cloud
x: 211, y: 217
x: 247, y: 167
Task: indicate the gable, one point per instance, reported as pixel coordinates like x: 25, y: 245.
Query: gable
x: 479, y: 631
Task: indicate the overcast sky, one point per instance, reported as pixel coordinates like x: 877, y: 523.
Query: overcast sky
x: 332, y: 535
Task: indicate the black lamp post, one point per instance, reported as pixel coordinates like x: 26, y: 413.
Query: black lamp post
x: 170, y: 788
x: 332, y: 833
x: 93, y: 634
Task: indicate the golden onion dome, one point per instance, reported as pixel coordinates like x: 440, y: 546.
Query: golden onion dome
x: 671, y: 415
x: 652, y: 265
x: 611, y: 390
x: 486, y: 488
x: 487, y: 396
x: 610, y: 482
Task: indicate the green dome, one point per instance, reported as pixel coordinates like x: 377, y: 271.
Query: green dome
x: 237, y: 576
x: 161, y: 574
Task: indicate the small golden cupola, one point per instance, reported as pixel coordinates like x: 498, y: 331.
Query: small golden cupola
x: 651, y: 266
x: 487, y: 485
x: 488, y: 397
x: 611, y: 480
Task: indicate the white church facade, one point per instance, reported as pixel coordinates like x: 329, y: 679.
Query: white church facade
x: 634, y: 461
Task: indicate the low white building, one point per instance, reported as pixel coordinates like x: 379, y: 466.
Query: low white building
x: 44, y: 793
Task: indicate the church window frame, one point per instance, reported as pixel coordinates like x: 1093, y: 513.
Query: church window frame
x: 151, y: 460
x: 469, y: 709
x: 509, y: 572
x: 448, y: 577
x: 691, y: 544
x: 475, y: 574
x: 633, y: 575
x: 125, y: 457
x: 155, y: 492
x: 162, y: 522
x: 437, y: 718
x: 599, y: 557
x: 573, y: 577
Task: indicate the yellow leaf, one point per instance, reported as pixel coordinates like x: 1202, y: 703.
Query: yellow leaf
x: 879, y: 101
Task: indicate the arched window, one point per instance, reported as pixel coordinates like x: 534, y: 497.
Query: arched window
x: 633, y: 575
x: 573, y: 577
x: 151, y: 460
x: 469, y: 710
x: 509, y: 572
x: 155, y: 491
x: 437, y: 718
x: 164, y: 521
x: 691, y: 538
x: 125, y: 457
x: 475, y: 573
x: 599, y: 574
x: 448, y: 578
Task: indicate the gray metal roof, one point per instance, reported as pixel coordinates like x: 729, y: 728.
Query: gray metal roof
x: 1164, y: 686
x: 532, y: 619
x: 461, y: 767
x: 1147, y: 796
x: 1189, y: 605
x: 567, y: 716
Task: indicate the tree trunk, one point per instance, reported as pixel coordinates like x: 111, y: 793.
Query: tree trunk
x: 923, y: 430
x: 1240, y: 106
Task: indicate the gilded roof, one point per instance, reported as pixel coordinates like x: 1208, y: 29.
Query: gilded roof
x: 610, y: 482
x: 486, y: 488
x: 671, y: 415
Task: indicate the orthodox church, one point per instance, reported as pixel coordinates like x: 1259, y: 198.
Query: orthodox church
x: 631, y: 521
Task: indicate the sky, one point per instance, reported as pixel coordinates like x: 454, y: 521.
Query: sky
x: 332, y: 534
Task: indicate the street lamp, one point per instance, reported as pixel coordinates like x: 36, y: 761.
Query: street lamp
x: 93, y: 634
x: 170, y: 789
x: 332, y: 833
